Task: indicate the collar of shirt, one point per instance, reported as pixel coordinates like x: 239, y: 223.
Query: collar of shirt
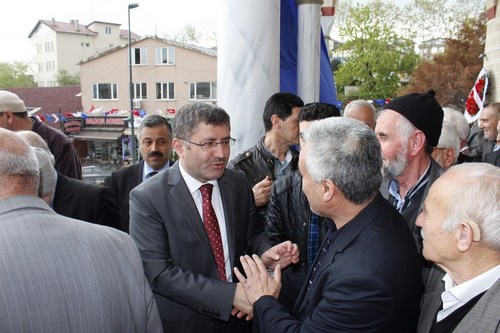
x: 147, y: 169
x: 455, y: 295
x: 394, y: 189
x: 280, y: 167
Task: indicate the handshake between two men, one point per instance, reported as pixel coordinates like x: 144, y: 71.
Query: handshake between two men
x: 258, y: 271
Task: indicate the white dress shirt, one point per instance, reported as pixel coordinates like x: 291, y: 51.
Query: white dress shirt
x: 455, y: 295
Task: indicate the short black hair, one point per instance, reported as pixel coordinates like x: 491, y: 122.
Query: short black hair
x: 317, y: 111
x: 280, y: 104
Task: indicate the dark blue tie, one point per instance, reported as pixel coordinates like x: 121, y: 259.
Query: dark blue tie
x: 313, y: 244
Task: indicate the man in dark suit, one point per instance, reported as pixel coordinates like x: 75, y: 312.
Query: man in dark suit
x: 366, y: 277
x: 190, y: 240
x: 493, y: 157
x: 461, y: 235
x: 59, y: 274
x: 155, y: 145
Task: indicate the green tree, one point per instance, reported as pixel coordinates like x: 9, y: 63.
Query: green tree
x: 378, y: 58
x: 188, y: 35
x: 65, y: 79
x: 453, y: 73
x: 16, y: 75
x: 430, y: 19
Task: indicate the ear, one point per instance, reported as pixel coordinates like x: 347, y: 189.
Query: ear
x: 9, y: 116
x: 178, y: 146
x: 448, y: 158
x: 275, y: 120
x: 466, y: 234
x: 329, y: 190
x: 416, y: 142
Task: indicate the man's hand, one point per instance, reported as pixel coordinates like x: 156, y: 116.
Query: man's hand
x: 258, y: 282
x: 283, y: 254
x: 262, y: 191
x: 241, y: 305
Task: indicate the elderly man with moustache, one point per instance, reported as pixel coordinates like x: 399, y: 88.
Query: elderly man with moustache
x: 461, y: 234
x: 155, y: 145
x: 408, y: 129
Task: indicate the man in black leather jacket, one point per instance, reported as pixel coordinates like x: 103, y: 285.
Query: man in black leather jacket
x: 289, y: 216
x: 273, y: 156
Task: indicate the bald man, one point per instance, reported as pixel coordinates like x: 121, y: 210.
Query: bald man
x: 361, y: 110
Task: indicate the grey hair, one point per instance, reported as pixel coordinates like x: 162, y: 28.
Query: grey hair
x: 449, y: 139
x: 359, y: 103
x: 48, y: 176
x: 479, y: 202
x: 347, y: 152
x: 21, y: 164
x: 35, y: 140
x: 189, y: 116
x: 458, y: 120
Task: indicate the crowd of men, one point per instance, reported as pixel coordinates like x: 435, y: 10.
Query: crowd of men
x: 353, y: 221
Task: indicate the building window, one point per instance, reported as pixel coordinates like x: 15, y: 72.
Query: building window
x: 165, y: 55
x: 104, y: 91
x: 85, y: 44
x: 108, y: 30
x: 139, y: 56
x: 203, y: 90
x: 140, y: 91
x: 165, y: 90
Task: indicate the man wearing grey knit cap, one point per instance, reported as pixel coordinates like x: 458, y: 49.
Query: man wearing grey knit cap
x: 408, y: 129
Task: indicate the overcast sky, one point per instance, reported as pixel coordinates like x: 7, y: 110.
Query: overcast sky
x: 160, y: 17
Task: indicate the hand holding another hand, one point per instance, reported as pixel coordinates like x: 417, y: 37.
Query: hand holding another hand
x: 258, y: 282
x: 283, y: 254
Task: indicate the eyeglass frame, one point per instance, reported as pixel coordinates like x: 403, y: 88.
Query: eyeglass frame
x: 211, y: 145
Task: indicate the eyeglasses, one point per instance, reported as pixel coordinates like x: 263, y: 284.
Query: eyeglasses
x: 211, y: 145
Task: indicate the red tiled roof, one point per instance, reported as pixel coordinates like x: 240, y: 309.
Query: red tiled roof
x: 71, y: 27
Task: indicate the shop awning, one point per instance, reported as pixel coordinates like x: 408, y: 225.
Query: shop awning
x: 98, y: 135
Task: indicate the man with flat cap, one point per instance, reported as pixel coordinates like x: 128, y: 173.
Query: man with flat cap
x: 408, y: 129
x: 14, y: 117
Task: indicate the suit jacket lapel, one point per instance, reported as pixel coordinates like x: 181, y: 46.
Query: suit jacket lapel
x: 227, y: 203
x: 135, y: 176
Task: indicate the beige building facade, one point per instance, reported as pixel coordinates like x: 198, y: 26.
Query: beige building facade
x: 165, y: 74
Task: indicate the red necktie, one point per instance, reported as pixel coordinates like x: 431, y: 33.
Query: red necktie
x: 212, y: 228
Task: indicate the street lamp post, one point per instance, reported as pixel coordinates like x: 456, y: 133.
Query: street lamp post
x: 131, y: 84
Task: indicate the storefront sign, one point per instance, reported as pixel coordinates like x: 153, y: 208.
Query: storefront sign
x: 72, y: 125
x: 105, y: 122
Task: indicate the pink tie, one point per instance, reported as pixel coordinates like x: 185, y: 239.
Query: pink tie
x: 212, y: 229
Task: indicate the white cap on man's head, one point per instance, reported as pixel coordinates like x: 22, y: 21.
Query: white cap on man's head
x: 11, y: 102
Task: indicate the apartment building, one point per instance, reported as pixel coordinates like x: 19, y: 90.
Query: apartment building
x: 166, y: 75
x: 61, y: 46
